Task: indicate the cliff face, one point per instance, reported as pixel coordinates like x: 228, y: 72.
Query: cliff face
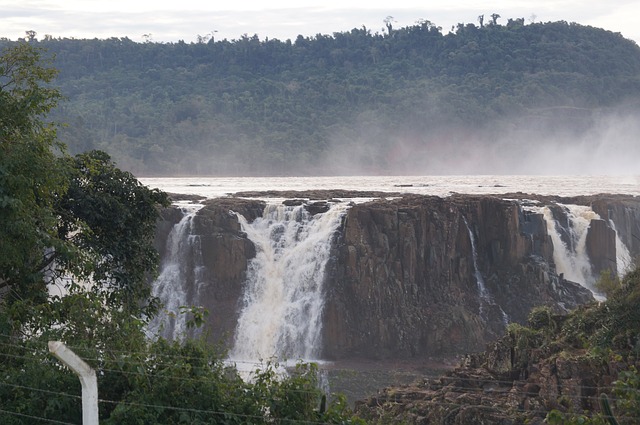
x: 414, y: 276
x: 624, y: 213
x: 558, y: 362
x: 219, y: 263
x: 406, y: 283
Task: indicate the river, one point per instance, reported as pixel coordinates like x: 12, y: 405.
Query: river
x: 572, y: 185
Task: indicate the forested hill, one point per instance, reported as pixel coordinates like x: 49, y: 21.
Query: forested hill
x: 410, y: 100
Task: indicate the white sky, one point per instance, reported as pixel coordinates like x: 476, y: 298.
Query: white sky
x: 168, y: 21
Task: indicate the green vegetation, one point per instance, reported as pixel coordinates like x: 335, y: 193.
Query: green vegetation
x: 76, y: 244
x: 600, y: 334
x: 410, y: 99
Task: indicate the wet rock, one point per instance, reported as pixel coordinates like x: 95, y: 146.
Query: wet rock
x: 402, y: 280
x: 601, y: 247
x: 405, y: 283
x: 317, y: 207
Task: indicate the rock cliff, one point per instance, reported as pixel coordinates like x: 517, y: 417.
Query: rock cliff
x: 222, y: 259
x: 556, y: 363
x: 413, y: 276
x: 406, y: 284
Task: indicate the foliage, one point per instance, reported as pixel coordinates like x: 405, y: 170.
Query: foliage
x: 626, y: 409
x: 111, y: 217
x: 28, y: 181
x: 251, y: 106
x: 523, y: 337
x: 65, y: 220
x: 34, y: 385
x: 555, y: 417
x: 627, y: 393
x: 103, y: 222
x: 161, y: 383
x: 83, y: 227
x: 608, y: 283
x: 541, y: 319
x: 611, y: 332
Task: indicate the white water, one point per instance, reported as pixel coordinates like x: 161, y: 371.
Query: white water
x: 283, y: 301
x: 580, y: 217
x: 482, y: 289
x: 572, y: 259
x: 623, y: 256
x: 485, y: 297
x: 172, y: 285
x: 282, y: 337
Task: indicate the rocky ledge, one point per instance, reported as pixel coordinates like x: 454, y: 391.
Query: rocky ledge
x: 557, y: 363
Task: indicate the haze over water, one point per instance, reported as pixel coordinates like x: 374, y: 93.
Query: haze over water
x: 212, y: 187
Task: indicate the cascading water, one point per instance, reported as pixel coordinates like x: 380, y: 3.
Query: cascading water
x: 482, y: 289
x: 571, y: 258
x: 179, y: 270
x: 485, y: 297
x: 623, y: 256
x: 283, y: 299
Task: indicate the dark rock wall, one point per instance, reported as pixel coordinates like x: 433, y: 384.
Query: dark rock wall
x: 601, y: 247
x: 624, y: 211
x: 405, y: 282
x: 224, y: 253
x: 401, y: 281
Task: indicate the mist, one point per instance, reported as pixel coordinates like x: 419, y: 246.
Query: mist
x: 524, y: 145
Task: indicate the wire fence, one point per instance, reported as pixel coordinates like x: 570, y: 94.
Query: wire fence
x: 452, y: 383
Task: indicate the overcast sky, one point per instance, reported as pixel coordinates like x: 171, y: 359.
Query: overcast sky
x: 168, y: 21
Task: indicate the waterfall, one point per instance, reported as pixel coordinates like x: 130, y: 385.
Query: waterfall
x: 283, y: 298
x: 485, y: 297
x: 180, y: 269
x: 571, y: 258
x: 623, y: 256
x: 482, y: 289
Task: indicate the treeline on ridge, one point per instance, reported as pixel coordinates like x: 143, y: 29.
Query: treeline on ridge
x: 408, y: 99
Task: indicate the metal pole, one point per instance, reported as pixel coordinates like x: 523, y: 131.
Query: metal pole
x: 87, y: 380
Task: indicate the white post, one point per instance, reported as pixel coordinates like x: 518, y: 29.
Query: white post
x: 87, y: 380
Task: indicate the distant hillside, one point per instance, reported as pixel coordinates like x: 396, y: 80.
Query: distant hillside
x: 411, y: 100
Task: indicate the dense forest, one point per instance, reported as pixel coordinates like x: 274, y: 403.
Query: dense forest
x: 410, y: 100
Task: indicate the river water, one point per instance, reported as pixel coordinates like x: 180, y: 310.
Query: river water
x: 212, y: 187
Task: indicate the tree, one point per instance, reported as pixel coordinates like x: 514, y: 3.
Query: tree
x: 31, y: 36
x: 29, y: 178
x: 66, y: 220
x: 110, y: 218
x: 388, y: 22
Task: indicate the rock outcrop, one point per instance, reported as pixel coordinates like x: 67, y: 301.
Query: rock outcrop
x: 494, y: 388
x: 560, y: 363
x: 623, y: 211
x: 224, y: 250
x: 406, y: 283
x: 414, y: 276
